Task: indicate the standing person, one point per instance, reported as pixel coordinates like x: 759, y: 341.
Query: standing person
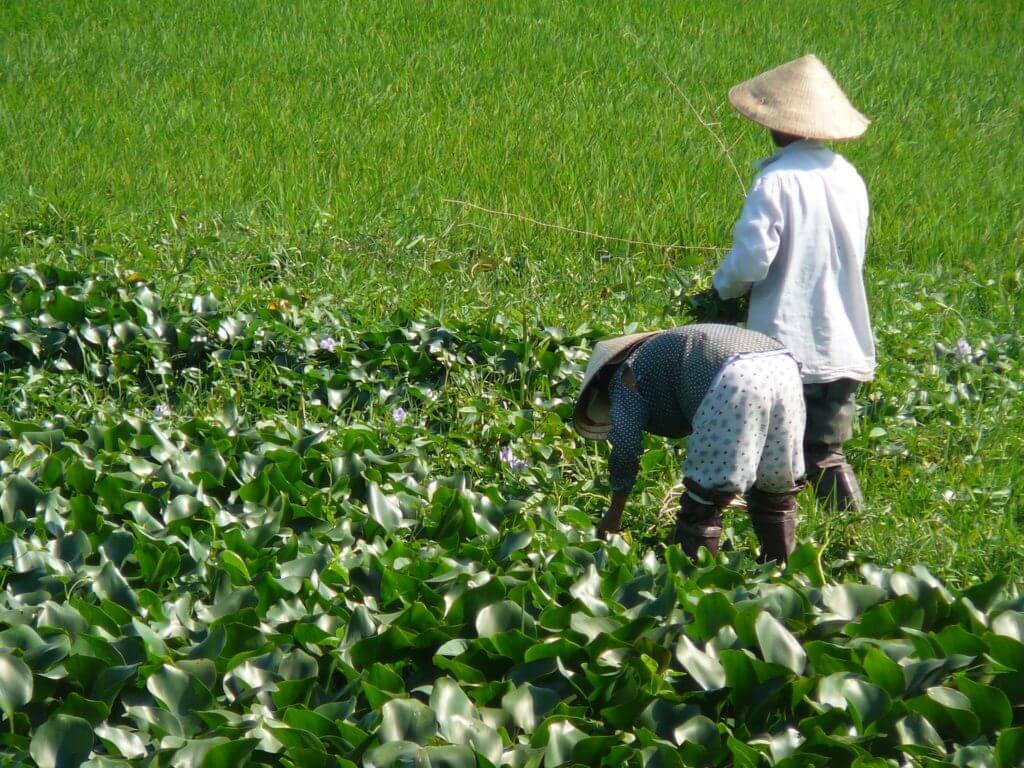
x: 737, y: 391
x: 798, y: 249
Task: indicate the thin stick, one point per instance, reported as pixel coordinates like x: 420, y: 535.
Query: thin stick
x: 705, y: 123
x: 573, y: 230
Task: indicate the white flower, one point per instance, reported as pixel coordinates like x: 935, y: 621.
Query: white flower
x: 327, y: 344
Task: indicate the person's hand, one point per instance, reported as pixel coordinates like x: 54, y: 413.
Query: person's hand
x: 610, y: 523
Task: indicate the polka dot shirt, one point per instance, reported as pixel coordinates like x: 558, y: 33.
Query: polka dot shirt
x: 673, y: 371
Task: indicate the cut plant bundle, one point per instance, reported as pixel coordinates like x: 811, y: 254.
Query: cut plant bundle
x: 225, y: 541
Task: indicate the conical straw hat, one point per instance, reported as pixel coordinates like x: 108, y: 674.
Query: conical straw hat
x: 592, y: 414
x: 800, y: 98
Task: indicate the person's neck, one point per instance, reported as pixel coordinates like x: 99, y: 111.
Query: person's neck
x: 784, y: 139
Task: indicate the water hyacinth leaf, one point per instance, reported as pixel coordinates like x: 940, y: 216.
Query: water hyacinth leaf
x: 562, y: 738
x: 391, y: 754
x: 182, y: 507
x: 63, y: 741
x: 778, y: 646
x: 705, y: 669
x: 472, y: 733
x: 514, y: 542
x: 15, y: 684
x: 698, y: 730
x: 447, y: 699
x: 851, y: 600
x: 111, y: 585
x: 301, y: 745
x: 870, y: 702
x: 20, y: 495
x: 984, y: 595
x: 501, y: 617
x: 915, y: 731
x: 1010, y: 748
x: 974, y: 756
x: 529, y: 704
x: 231, y: 754
x: 181, y: 693
x: 407, y: 720
x: 1009, y: 624
x: 384, y: 509
x: 124, y: 741
x: 456, y: 756
x: 93, y: 712
x: 192, y: 753
x: 743, y: 755
x: 990, y: 704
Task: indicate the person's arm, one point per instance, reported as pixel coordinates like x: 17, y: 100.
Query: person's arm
x: 755, y: 241
x: 628, y: 415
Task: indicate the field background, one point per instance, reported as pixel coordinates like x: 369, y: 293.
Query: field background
x: 241, y: 146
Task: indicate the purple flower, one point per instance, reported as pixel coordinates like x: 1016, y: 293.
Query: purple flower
x: 327, y: 344
x: 963, y: 349
x: 162, y: 411
x: 510, y: 460
x: 398, y: 415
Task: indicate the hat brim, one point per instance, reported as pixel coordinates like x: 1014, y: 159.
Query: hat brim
x: 609, y: 352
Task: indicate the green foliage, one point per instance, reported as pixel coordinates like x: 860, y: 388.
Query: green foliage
x: 222, y: 542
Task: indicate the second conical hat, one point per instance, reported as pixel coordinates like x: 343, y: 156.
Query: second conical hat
x: 800, y: 98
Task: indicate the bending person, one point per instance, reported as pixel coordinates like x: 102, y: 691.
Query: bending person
x: 737, y: 393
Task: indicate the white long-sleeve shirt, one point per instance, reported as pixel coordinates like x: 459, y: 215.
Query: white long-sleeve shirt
x: 798, y: 248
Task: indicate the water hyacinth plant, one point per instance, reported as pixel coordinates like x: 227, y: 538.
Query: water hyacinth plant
x: 265, y: 575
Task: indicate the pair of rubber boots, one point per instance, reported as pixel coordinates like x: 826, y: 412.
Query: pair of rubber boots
x: 773, y: 515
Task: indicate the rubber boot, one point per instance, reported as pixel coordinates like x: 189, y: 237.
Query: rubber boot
x: 773, y: 516
x: 838, y: 486
x: 699, y: 520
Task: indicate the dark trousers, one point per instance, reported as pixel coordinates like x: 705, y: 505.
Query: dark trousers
x: 830, y: 409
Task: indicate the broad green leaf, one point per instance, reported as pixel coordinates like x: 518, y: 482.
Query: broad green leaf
x: 977, y: 756
x: 1010, y: 624
x: 407, y: 720
x: 562, y: 738
x: 235, y: 566
x: 502, y: 616
x: 392, y: 754
x: 713, y: 612
x: 63, y: 741
x: 384, y: 509
x: 111, y: 585
x: 705, y: 669
x: 529, y: 705
x: 1010, y: 748
x: 851, y: 600
x: 990, y: 704
x: 15, y: 684
x: 448, y: 699
x: 778, y: 646
x: 181, y: 693
x: 915, y: 730
x: 446, y: 757
x: 870, y: 702
x: 126, y: 742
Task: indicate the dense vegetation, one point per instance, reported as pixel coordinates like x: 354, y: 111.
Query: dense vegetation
x: 276, y: 537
